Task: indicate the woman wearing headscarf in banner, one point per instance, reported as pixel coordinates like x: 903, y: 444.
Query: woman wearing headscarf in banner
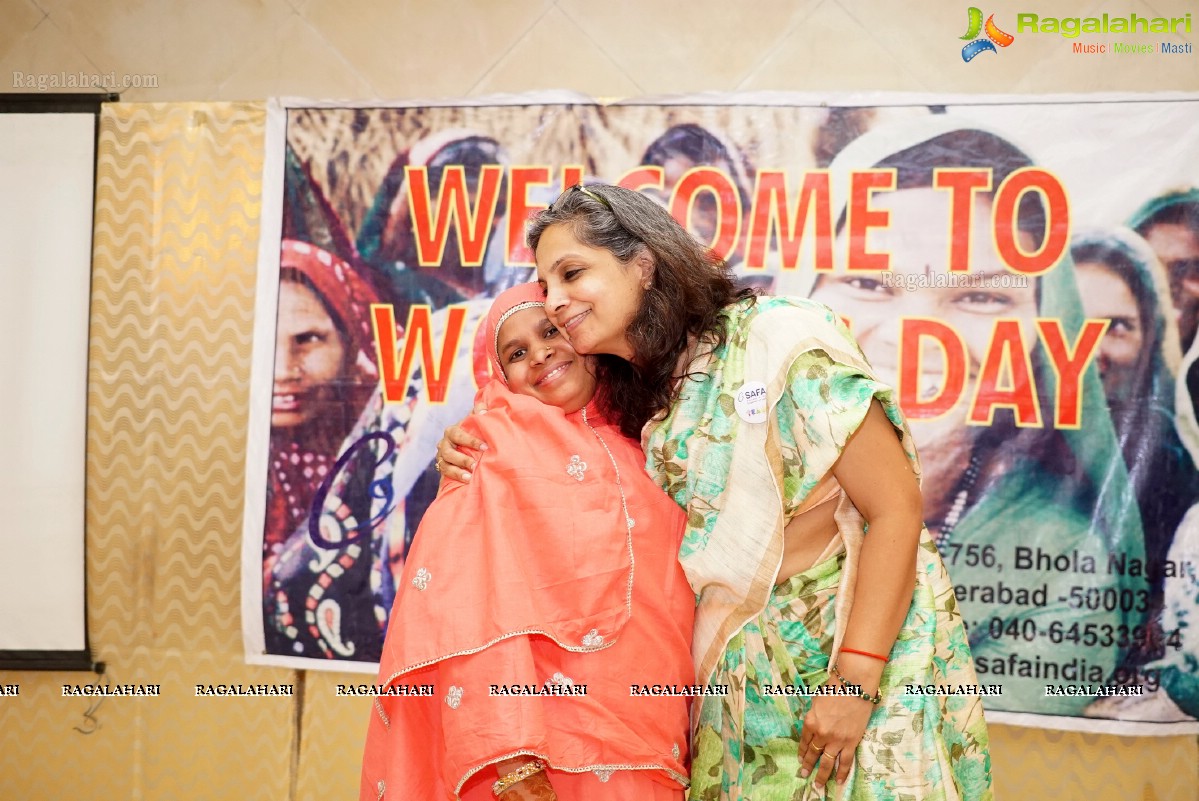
x: 1186, y: 401
x: 1179, y: 666
x: 1122, y: 281
x: 324, y: 371
x: 1026, y: 511
x: 1170, y: 223
x: 764, y: 422
x: 541, y: 605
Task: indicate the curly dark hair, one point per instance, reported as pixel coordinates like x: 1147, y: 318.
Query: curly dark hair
x: 691, y: 289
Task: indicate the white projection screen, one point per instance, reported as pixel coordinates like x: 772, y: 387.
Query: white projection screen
x: 47, y: 174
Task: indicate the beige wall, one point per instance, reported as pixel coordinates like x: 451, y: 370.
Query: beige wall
x: 249, y: 49
x: 167, y: 416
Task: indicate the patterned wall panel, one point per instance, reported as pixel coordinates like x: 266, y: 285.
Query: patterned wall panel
x: 1040, y: 765
x: 177, y: 204
x: 334, y: 734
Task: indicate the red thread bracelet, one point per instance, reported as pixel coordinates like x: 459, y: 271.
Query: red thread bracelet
x: 863, y: 653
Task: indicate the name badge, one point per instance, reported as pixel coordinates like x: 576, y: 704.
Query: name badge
x: 750, y: 402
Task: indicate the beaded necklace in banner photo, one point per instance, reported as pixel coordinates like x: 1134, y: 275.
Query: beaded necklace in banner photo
x: 961, y: 500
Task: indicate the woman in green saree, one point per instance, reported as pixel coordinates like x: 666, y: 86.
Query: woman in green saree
x: 1123, y: 282
x: 1021, y: 512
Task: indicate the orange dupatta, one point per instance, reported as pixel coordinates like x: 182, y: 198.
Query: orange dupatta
x: 555, y: 567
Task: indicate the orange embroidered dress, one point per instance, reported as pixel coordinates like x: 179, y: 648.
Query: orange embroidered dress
x: 542, y: 611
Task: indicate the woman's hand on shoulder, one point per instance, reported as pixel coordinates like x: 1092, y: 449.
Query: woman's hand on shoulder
x: 457, y: 452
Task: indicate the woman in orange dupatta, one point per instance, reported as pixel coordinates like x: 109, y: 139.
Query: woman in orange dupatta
x: 539, y: 646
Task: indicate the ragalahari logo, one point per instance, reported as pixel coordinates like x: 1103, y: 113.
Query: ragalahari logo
x: 994, y: 36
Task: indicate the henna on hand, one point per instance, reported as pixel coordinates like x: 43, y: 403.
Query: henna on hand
x: 535, y: 788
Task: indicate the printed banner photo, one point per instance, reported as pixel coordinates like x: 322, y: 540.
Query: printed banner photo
x: 1024, y: 274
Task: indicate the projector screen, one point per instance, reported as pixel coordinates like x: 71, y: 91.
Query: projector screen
x: 47, y: 168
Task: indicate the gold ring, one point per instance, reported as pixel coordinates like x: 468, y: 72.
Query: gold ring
x: 819, y: 749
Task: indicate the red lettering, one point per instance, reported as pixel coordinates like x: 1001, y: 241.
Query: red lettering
x: 770, y: 208
x: 572, y: 175
x: 640, y: 178
x: 394, y: 376
x: 913, y: 330
x: 1006, y: 351
x: 453, y: 202
x: 728, y: 206
x: 1057, y: 222
x: 519, y: 210
x: 1070, y: 364
x: 962, y: 185
x: 863, y: 184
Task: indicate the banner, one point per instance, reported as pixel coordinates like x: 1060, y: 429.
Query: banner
x: 1024, y: 272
